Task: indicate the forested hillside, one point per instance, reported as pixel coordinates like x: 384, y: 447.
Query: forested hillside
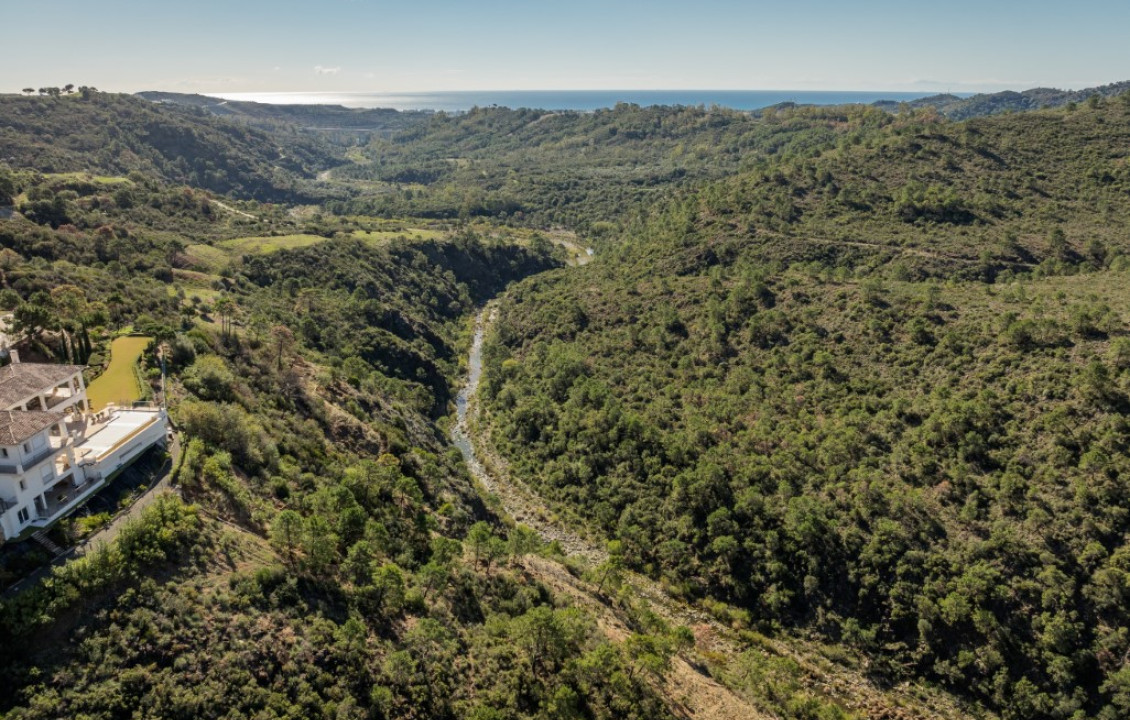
x: 315, y: 118
x: 318, y: 571
x: 878, y: 394
x: 1032, y: 190
x: 325, y: 554
x: 849, y: 386
x: 586, y: 171
x: 1010, y: 101
x: 109, y: 134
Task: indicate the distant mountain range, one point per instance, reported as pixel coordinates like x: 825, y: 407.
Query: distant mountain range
x: 115, y: 135
x: 957, y: 108
x: 320, y: 117
x: 387, y: 120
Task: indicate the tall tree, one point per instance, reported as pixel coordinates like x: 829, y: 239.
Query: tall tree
x: 225, y: 306
x: 283, y: 340
x: 31, y: 318
x: 70, y: 307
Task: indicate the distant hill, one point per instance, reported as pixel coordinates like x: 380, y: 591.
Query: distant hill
x: 118, y: 134
x: 957, y: 108
x: 948, y: 199
x: 386, y: 121
x: 314, y: 117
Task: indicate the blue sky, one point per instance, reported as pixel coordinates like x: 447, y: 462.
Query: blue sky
x: 427, y: 45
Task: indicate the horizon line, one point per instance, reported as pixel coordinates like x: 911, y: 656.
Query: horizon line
x: 218, y: 93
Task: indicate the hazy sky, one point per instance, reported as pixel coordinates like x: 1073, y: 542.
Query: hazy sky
x: 424, y: 45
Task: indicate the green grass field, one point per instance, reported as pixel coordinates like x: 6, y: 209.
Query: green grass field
x: 264, y: 245
x: 206, y: 257
x: 87, y: 177
x: 380, y: 237
x: 118, y: 384
x: 212, y: 258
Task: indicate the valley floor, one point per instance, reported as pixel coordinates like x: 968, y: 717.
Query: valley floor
x: 723, y: 676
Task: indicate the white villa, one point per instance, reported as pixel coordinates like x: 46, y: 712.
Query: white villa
x: 54, y: 452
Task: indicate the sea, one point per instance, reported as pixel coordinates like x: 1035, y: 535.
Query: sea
x: 582, y: 100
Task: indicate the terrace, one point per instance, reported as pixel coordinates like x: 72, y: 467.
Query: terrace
x: 107, y: 442
x: 115, y: 430
x: 62, y: 497
x: 62, y: 395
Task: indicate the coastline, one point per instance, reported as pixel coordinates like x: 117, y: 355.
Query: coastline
x: 578, y: 100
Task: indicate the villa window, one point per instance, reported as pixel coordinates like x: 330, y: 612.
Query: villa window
x: 23, y: 515
x: 23, y: 485
x: 3, y: 452
x: 27, y: 447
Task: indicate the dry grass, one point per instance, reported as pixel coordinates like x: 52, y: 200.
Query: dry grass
x: 268, y: 244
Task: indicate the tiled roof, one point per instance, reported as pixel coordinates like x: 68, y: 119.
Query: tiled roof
x: 20, y: 380
x: 19, y: 425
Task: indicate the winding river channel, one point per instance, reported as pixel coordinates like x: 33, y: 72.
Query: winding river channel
x: 461, y: 434
x: 516, y: 500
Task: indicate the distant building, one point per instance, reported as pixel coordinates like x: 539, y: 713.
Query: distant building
x: 54, y: 452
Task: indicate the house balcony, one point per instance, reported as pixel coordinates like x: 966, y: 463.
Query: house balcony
x: 55, y: 445
x: 62, y: 497
x: 60, y: 397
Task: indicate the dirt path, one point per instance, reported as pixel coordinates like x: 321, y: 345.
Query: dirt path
x: 691, y: 691
x: 579, y: 254
x: 915, y: 251
x: 230, y: 209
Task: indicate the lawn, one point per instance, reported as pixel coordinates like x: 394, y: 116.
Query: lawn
x: 213, y: 258
x: 118, y: 384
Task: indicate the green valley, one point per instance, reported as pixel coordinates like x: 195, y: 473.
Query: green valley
x: 811, y: 412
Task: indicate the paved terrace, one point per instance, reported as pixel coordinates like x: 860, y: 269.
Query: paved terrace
x: 123, y: 426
